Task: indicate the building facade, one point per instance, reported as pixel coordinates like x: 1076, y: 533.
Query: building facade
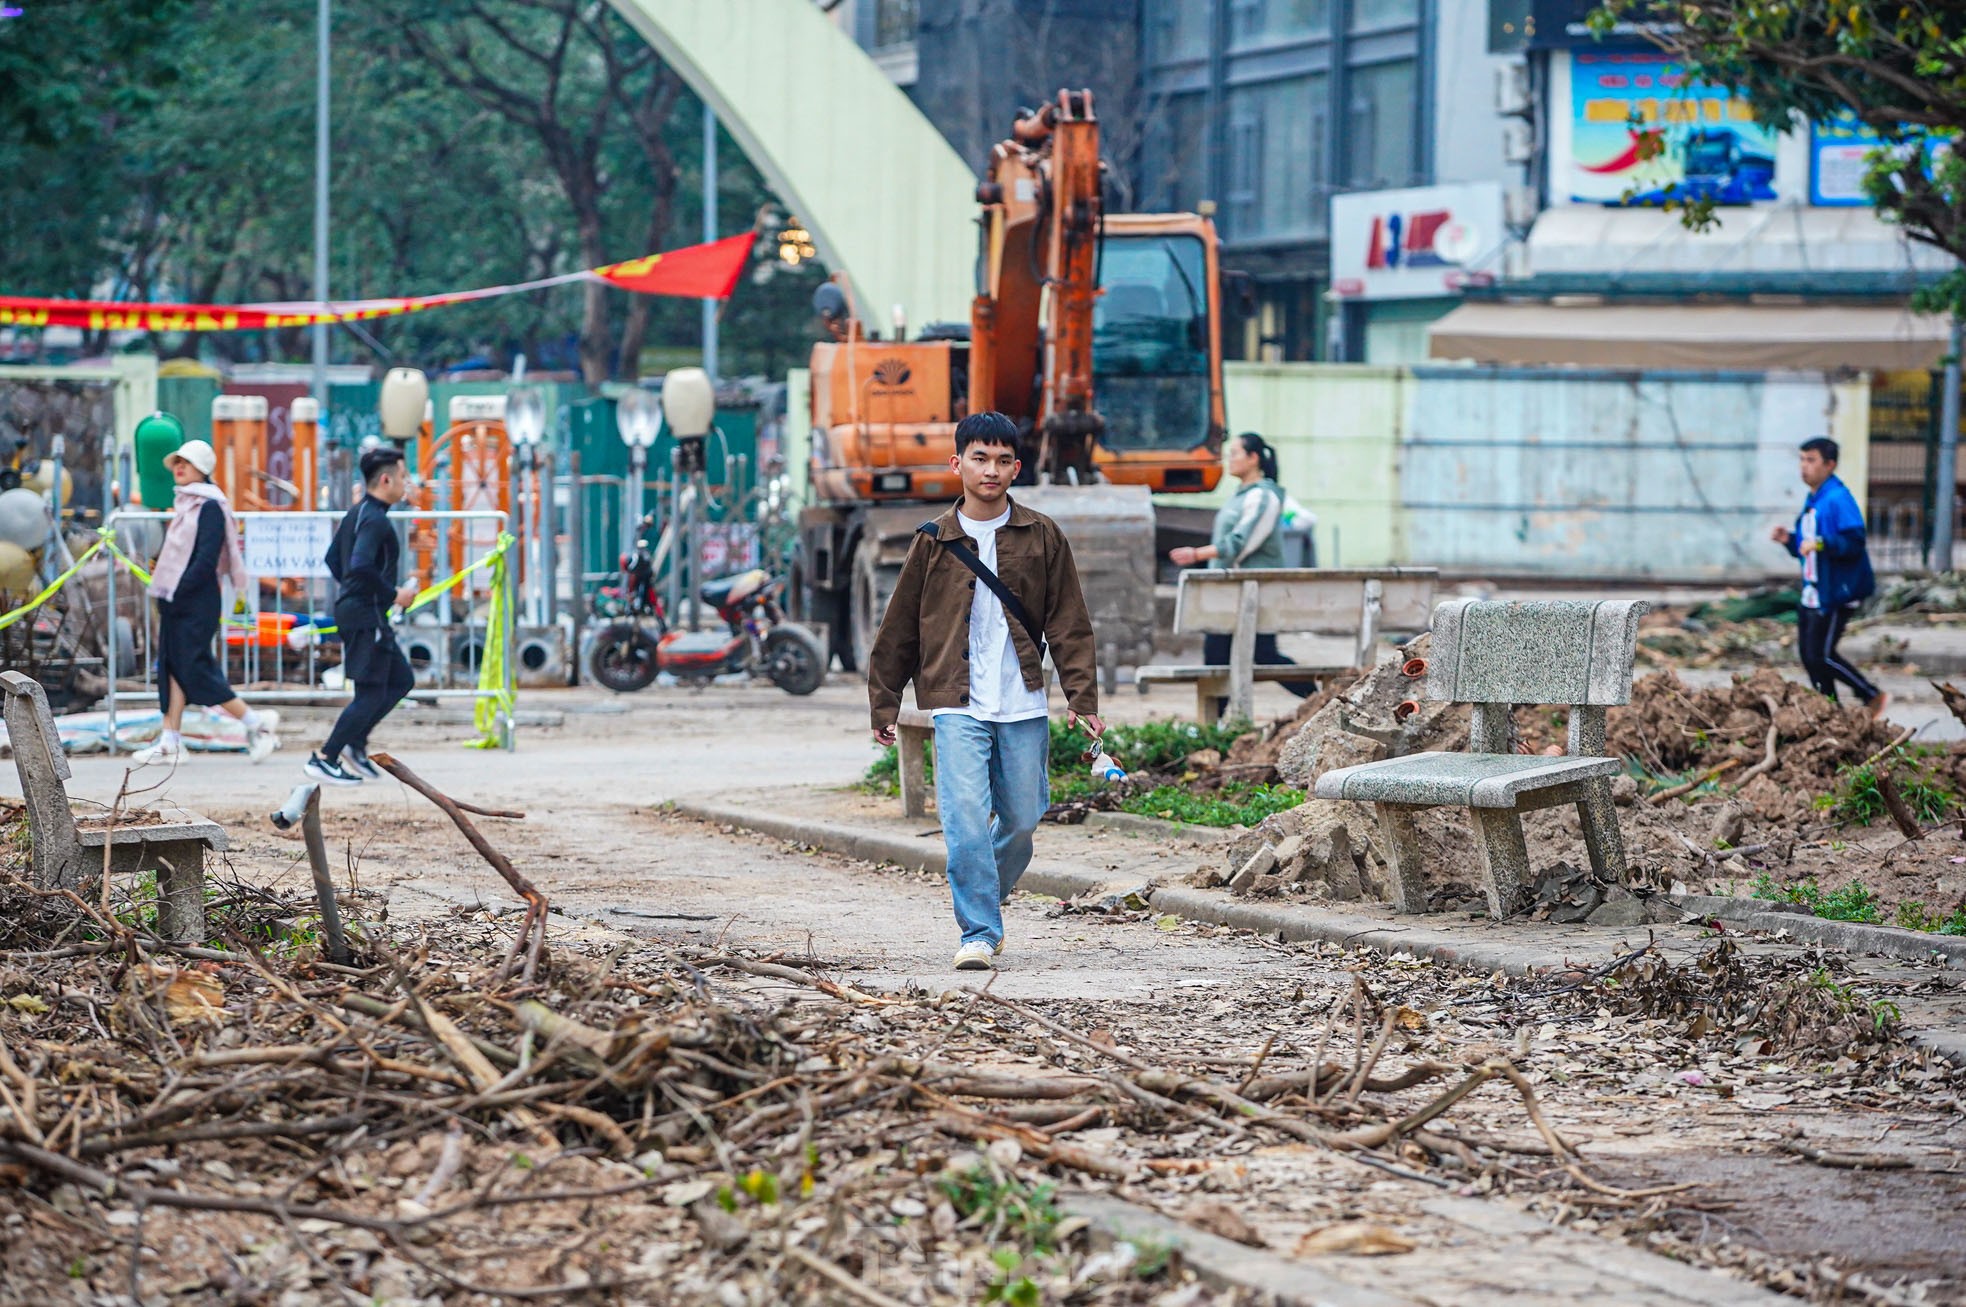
x: 1262, y: 110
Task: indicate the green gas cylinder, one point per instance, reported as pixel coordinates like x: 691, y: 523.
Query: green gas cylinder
x: 157, y: 436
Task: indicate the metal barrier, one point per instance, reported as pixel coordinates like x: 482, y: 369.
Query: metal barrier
x: 288, y: 550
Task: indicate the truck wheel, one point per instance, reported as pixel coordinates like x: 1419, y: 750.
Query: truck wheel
x: 873, y: 583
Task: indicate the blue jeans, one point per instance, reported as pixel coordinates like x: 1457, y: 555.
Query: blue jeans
x: 992, y: 786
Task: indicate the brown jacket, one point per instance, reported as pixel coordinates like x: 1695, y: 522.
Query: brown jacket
x: 924, y: 636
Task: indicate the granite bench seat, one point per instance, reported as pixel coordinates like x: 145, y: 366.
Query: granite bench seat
x: 1469, y: 780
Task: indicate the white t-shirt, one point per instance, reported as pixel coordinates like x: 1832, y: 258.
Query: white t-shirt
x: 1811, y: 567
x: 996, y: 683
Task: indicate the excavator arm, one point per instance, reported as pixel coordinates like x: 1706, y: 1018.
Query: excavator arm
x: 1031, y: 324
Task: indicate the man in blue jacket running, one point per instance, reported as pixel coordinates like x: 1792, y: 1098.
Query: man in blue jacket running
x: 1828, y: 538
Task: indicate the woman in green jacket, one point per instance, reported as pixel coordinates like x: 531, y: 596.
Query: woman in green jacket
x: 1247, y: 533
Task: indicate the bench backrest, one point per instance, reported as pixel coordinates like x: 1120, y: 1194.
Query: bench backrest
x: 1306, y: 600
x: 42, y: 767
x: 1561, y: 651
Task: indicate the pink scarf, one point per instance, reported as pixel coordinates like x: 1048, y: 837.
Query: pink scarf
x: 181, y: 537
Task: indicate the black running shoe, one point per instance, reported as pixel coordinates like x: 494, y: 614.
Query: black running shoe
x: 329, y: 773
x: 357, y: 761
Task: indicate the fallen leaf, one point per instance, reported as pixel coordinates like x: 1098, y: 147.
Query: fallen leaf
x: 684, y: 1192
x: 1406, y: 1018
x: 1355, y: 1239
x: 1168, y: 922
x: 1213, y: 1216
x: 28, y: 1003
x: 190, y: 997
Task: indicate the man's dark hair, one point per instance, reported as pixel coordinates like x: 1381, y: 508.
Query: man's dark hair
x: 379, y: 460
x: 1822, y: 445
x: 987, y: 428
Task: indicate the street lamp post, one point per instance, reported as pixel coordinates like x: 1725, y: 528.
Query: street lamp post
x: 1945, y: 475
x: 525, y: 423
x: 638, y: 419
x: 320, y: 382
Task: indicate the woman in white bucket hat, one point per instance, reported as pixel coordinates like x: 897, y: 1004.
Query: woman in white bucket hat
x: 199, y: 559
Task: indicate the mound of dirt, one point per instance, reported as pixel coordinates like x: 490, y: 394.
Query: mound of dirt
x: 1669, y: 730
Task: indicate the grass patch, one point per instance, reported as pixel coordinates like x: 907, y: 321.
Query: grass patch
x: 1857, y: 798
x: 1854, y: 902
x: 1914, y: 915
x: 1232, y: 805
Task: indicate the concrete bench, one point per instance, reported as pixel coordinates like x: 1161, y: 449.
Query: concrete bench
x: 63, y: 855
x: 914, y: 730
x: 1494, y: 656
x: 1241, y: 602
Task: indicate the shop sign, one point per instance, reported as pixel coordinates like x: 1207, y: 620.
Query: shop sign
x: 1643, y: 133
x: 1415, y: 243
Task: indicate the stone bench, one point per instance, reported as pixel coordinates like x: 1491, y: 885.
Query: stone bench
x: 1495, y: 656
x: 1241, y: 602
x: 914, y: 730
x: 64, y: 856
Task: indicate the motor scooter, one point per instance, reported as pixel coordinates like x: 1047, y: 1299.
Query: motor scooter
x: 756, y: 637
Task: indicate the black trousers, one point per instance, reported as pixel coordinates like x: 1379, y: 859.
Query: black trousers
x: 1215, y: 652
x: 381, y: 676
x: 1816, y: 632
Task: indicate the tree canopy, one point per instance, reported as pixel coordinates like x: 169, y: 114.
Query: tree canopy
x: 166, y: 151
x: 1898, y: 66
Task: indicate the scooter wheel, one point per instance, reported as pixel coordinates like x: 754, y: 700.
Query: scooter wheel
x: 624, y: 658
x: 794, y: 659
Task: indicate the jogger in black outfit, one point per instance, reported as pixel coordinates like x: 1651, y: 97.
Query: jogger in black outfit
x: 364, y: 559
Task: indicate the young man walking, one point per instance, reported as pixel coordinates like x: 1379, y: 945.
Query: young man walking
x: 1828, y: 538
x: 978, y: 668
x: 364, y: 559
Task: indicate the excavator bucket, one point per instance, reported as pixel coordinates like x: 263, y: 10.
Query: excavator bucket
x: 1111, y: 530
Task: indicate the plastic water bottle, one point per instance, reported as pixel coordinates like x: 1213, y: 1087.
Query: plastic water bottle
x: 1105, y: 768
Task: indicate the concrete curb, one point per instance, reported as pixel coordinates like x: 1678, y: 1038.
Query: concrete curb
x: 1222, y: 1263
x: 925, y: 853
x: 1857, y: 936
x: 1133, y: 824
x: 1325, y: 924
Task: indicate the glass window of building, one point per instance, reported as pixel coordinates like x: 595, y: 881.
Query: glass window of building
x: 895, y: 22
x: 1379, y: 126
x: 1276, y: 168
x: 1174, y: 176
x: 1371, y: 15
x: 1265, y: 22
x: 1177, y: 30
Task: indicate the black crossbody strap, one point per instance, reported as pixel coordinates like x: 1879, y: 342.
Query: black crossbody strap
x: 1010, y: 602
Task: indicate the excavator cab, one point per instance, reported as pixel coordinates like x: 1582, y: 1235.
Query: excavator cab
x: 1154, y: 356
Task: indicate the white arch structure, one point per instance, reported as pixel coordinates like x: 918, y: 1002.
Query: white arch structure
x: 886, y: 199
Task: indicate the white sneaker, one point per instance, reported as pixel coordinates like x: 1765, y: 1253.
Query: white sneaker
x: 261, y: 743
x: 975, y: 956
x: 164, y: 751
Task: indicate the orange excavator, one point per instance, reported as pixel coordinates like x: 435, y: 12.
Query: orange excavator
x: 1100, y: 334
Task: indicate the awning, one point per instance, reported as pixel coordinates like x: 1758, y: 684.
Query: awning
x: 1824, y: 337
